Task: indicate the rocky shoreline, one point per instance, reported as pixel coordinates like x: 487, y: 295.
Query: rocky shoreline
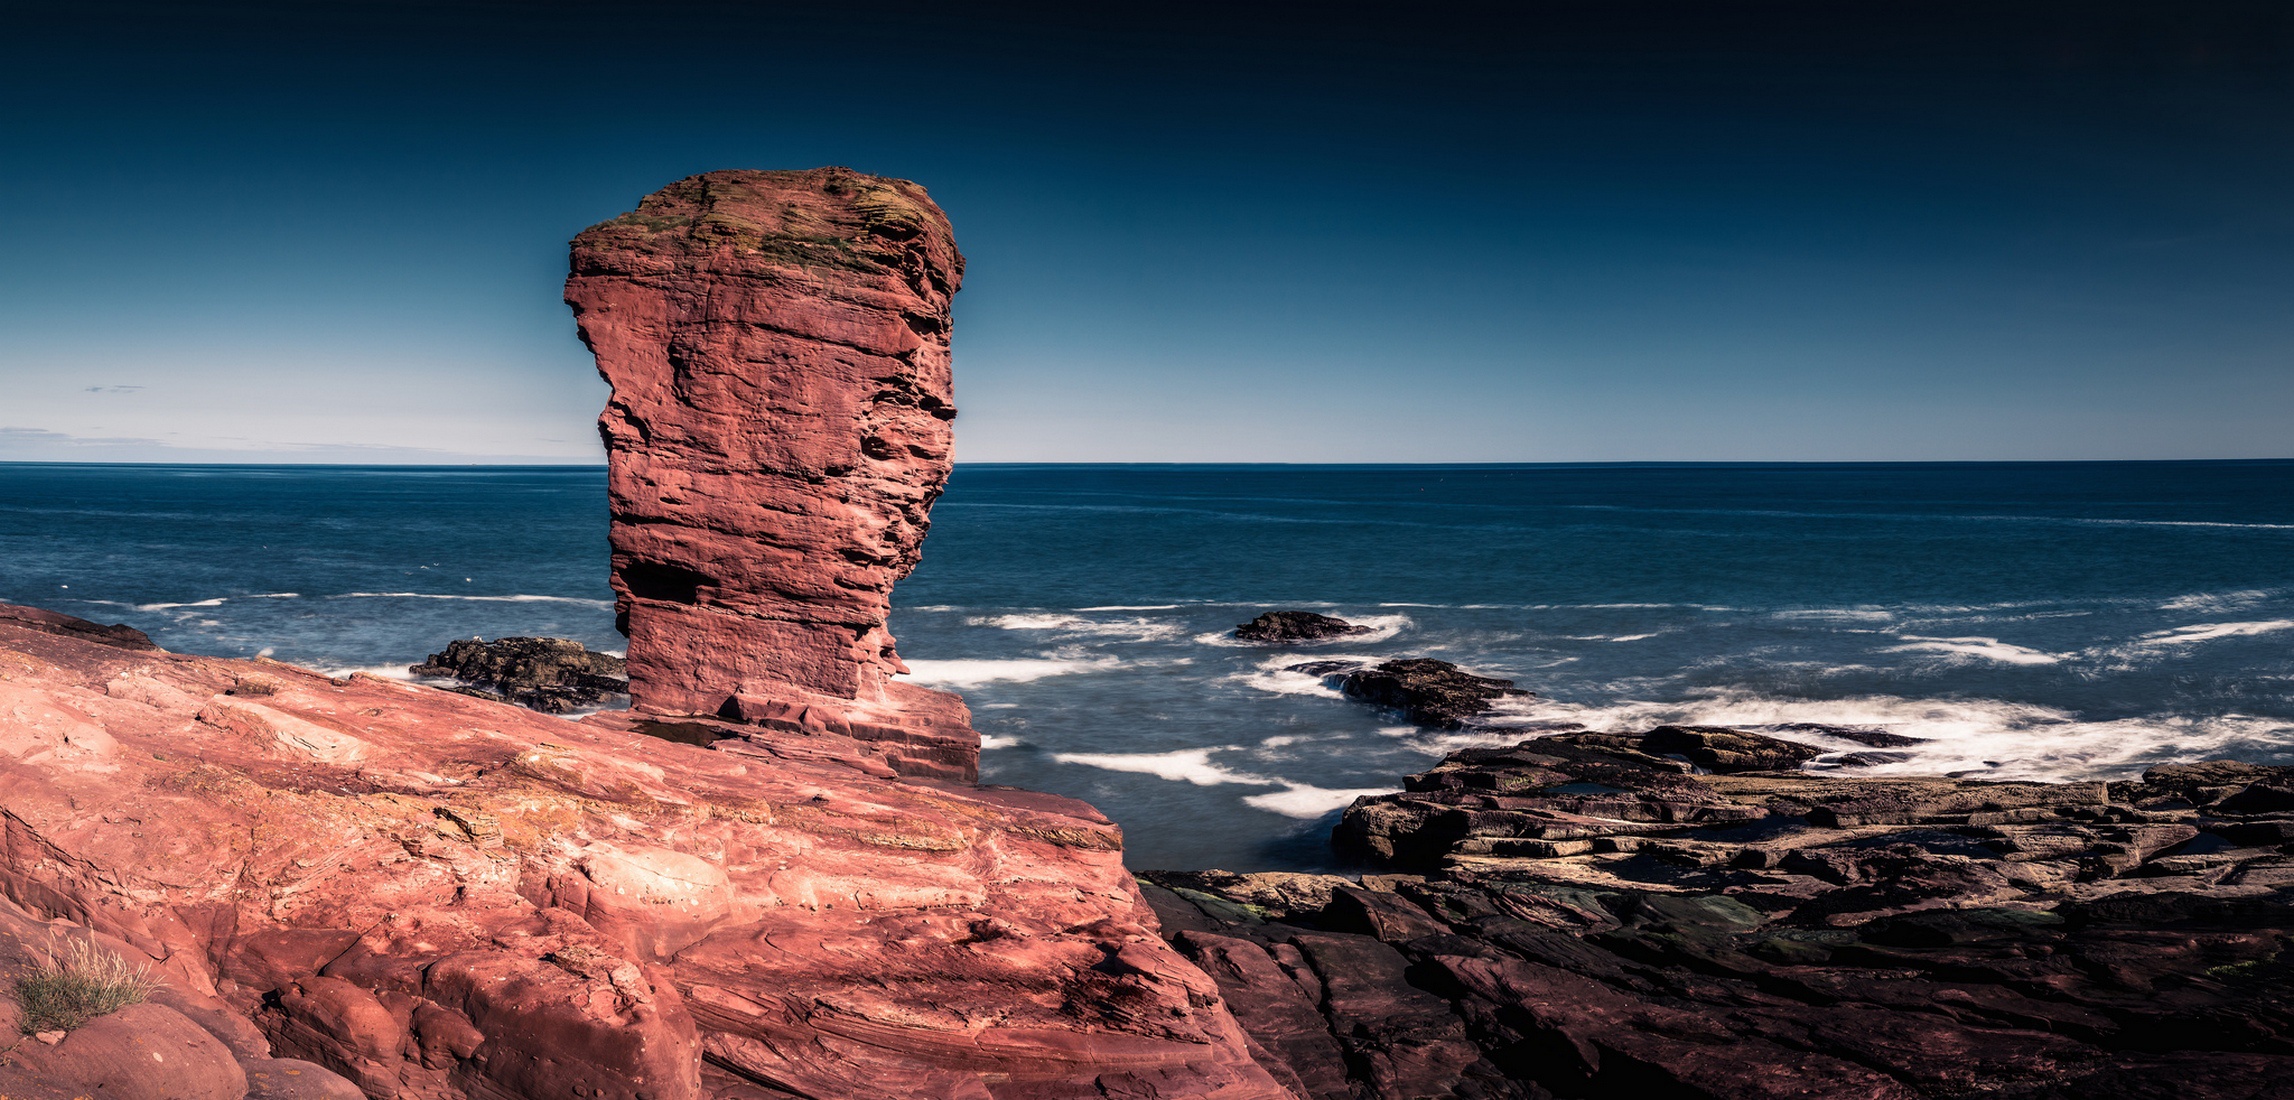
x: 1681, y: 914
x: 775, y: 875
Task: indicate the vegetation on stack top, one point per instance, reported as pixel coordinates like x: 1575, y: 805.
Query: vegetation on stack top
x: 739, y: 208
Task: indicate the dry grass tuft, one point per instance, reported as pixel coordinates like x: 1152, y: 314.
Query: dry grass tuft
x: 77, y: 983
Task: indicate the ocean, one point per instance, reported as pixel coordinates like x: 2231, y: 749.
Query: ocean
x: 2030, y: 620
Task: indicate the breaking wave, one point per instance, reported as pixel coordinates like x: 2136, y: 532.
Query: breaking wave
x: 1995, y: 738
x: 514, y: 598
x: 969, y: 672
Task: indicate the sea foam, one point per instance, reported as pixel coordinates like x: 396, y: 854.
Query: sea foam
x: 971, y: 672
x: 1975, y: 648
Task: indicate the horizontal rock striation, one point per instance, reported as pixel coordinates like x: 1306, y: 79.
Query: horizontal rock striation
x: 441, y: 897
x: 777, y: 344
x: 1593, y: 915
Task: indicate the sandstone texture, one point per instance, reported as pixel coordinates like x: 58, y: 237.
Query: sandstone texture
x: 1681, y: 914
x: 777, y: 344
x: 437, y: 897
x: 551, y: 675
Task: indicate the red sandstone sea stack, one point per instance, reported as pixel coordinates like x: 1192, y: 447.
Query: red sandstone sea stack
x: 777, y: 343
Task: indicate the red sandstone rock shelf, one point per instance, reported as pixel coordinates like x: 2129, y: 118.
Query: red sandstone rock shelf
x: 443, y: 897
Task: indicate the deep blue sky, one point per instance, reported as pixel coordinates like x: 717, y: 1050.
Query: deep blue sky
x: 1591, y: 231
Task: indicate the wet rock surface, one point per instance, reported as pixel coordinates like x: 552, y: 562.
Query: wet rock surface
x: 1426, y: 691
x: 551, y: 675
x: 1286, y: 627
x: 1590, y: 915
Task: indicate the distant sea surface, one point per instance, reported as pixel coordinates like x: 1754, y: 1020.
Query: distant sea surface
x: 2075, y: 620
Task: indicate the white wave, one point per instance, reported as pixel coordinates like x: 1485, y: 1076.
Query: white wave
x: 997, y: 741
x: 2216, y: 601
x: 1274, y: 676
x: 1135, y: 629
x: 385, y: 672
x: 1134, y: 607
x: 215, y: 602
x: 1180, y: 765
x: 1382, y: 627
x: 2207, y: 632
x: 517, y: 598
x: 1838, y: 614
x: 1307, y: 802
x: 970, y: 672
x: 1998, y: 738
x: 1612, y: 637
x: 1987, y: 649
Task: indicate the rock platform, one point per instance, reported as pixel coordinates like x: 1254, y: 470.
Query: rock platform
x: 1678, y: 914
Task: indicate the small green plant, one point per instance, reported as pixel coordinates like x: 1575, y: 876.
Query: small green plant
x: 77, y: 983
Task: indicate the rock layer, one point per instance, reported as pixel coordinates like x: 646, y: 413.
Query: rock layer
x: 1592, y: 916
x: 441, y: 897
x: 778, y: 348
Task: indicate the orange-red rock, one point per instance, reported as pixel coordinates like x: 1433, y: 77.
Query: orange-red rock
x: 441, y: 897
x: 777, y: 343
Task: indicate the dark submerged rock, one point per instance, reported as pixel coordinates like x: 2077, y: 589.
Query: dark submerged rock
x: 1428, y: 692
x: 117, y: 635
x: 1602, y: 919
x: 551, y: 675
x: 1284, y: 627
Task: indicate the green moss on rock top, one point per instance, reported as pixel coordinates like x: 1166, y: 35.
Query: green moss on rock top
x: 820, y: 218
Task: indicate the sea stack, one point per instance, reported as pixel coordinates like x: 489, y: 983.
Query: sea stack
x: 778, y: 348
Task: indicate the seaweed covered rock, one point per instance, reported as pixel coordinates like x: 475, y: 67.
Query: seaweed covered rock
x: 1428, y: 692
x: 1284, y: 627
x: 551, y: 675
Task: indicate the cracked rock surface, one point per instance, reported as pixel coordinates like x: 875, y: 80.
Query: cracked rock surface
x: 1679, y: 914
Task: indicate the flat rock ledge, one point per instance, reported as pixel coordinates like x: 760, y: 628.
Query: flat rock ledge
x: 1680, y: 914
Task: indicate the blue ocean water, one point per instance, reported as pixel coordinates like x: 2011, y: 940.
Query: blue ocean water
x: 2031, y: 620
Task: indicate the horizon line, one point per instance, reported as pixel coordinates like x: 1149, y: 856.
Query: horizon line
x: 1167, y: 464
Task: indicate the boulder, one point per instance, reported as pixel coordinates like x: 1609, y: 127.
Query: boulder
x: 1428, y: 692
x: 551, y: 675
x: 1286, y: 627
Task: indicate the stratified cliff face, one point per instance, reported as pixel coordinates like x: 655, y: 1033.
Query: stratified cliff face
x: 442, y: 897
x: 777, y: 343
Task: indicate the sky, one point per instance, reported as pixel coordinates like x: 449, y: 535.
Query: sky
x: 1610, y: 230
